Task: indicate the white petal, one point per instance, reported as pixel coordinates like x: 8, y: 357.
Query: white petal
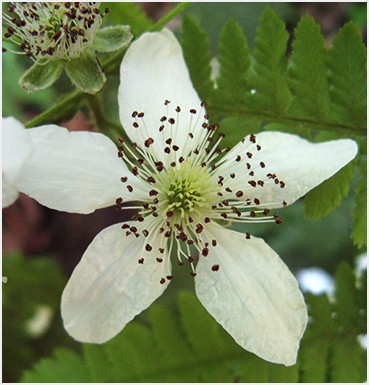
x: 153, y: 70
x: 17, y: 147
x: 253, y: 295
x: 76, y: 172
x: 109, y: 287
x: 300, y: 164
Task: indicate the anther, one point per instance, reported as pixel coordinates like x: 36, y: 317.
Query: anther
x: 159, y: 260
x: 215, y: 268
x: 169, y: 277
x: 239, y: 194
x: 141, y: 261
x: 193, y: 273
x: 249, y: 155
x: 148, y: 247
x: 141, y: 115
x: 162, y: 281
x: 148, y: 142
x: 248, y: 236
x: 262, y: 164
x: 151, y: 179
x: 130, y: 188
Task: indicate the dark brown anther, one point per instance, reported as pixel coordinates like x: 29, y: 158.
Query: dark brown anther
x: 278, y: 221
x: 258, y: 147
x: 256, y: 201
x: 167, y: 150
x: 159, y: 260
x: 260, y: 183
x: 203, y: 104
x: 284, y: 203
x: 169, y: 277
x: 228, y: 189
x: 181, y: 159
x: 282, y: 184
x: 252, y: 183
x: 266, y: 212
x: 170, y: 214
x: 163, y: 118
x: 151, y: 179
x: 171, y: 121
x: 248, y: 201
x: 135, y: 124
x: 141, y: 261
x: 118, y: 201
x: 252, y: 214
x: 145, y: 233
x: 193, y: 111
x: 161, y: 250
x: 239, y: 194
x: 130, y: 188
x: 205, y: 251
x: 141, y: 115
x: 173, y: 164
x: 233, y: 175
x: 133, y: 229
x: 148, y: 142
x: 199, y: 228
x: 167, y: 234
x: 248, y: 165
x: 262, y: 164
x: 248, y: 236
x: 168, y: 141
x: 161, y: 128
x: 135, y: 171
x: 215, y: 268
x: 236, y: 211
x: 167, y: 102
x: 207, y: 220
x: 193, y: 274
x: 190, y: 242
x: 180, y: 263
x: 175, y: 148
x: 148, y: 247
x: 153, y: 193
x: 252, y: 138
x: 238, y: 158
x: 162, y: 281
x: 214, y: 242
x: 224, y: 215
x: 190, y: 259
x: 178, y: 109
x: 125, y: 226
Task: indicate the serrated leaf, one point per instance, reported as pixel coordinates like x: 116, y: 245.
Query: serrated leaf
x: 347, y: 65
x: 270, y: 67
x: 66, y: 367
x: 308, y: 73
x: 345, y: 305
x: 348, y: 360
x: 234, y: 64
x: 314, y: 351
x: 328, y: 195
x: 359, y: 214
x: 196, y: 51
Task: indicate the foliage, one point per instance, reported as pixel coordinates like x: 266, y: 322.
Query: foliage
x: 318, y: 90
x: 192, y: 347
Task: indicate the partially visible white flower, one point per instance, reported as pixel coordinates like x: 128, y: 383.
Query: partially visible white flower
x: 315, y: 280
x: 186, y: 188
x: 17, y: 147
x: 53, y: 30
x: 57, y: 35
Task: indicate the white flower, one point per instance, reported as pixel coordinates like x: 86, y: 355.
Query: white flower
x: 54, y: 30
x: 185, y: 191
x: 17, y: 147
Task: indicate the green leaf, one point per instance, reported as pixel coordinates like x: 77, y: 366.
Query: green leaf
x: 348, y: 361
x: 66, y: 367
x: 347, y: 65
x: 196, y: 51
x: 270, y: 78
x: 86, y: 73
x: 41, y: 76
x: 308, y: 73
x: 328, y: 195
x: 359, y: 214
x: 112, y: 38
x: 128, y: 13
x: 314, y: 352
x: 234, y: 64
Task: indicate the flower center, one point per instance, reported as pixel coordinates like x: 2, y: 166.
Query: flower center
x: 188, y: 189
x: 52, y: 31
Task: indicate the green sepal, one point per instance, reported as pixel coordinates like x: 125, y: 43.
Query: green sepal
x: 41, y: 76
x: 112, y: 38
x: 86, y: 73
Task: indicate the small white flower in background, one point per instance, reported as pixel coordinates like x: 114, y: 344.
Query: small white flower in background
x: 57, y: 35
x: 185, y: 190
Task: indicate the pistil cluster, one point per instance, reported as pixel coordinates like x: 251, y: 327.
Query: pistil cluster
x: 53, y: 30
x: 192, y: 186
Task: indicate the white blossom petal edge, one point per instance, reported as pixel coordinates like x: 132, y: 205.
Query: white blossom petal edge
x: 185, y: 190
x: 17, y: 147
